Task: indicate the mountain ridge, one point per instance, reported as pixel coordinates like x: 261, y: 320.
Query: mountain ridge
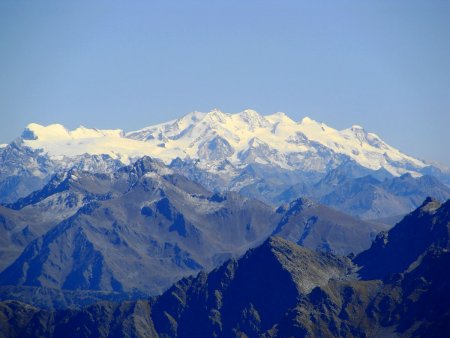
x: 95, y: 231
x: 276, y: 130
x: 279, y: 289
x: 271, y: 158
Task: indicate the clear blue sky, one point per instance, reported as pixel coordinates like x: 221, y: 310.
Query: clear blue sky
x: 127, y: 64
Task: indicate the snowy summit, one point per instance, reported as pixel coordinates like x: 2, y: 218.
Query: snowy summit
x: 242, y: 138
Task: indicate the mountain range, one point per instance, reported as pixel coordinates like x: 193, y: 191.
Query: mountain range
x: 271, y: 158
x: 280, y: 289
x: 225, y: 225
x: 142, y: 227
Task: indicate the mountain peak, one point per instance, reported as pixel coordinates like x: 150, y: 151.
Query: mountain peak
x: 35, y: 131
x: 57, y: 132
x: 288, y: 142
x: 315, y: 265
x: 253, y: 119
x: 280, y: 117
x: 308, y: 121
x: 358, y: 132
x: 145, y: 165
x: 216, y: 115
x: 249, y: 112
x: 192, y: 117
x: 396, y: 250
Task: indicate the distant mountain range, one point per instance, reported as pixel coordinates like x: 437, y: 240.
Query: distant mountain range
x: 399, y: 287
x: 271, y: 158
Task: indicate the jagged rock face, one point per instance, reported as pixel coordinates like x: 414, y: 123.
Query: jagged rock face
x: 412, y: 301
x: 227, y: 302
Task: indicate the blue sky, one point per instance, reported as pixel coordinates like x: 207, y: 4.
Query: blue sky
x: 384, y: 65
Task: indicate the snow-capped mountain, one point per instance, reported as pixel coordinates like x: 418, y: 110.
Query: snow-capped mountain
x: 241, y: 138
x: 272, y: 158
x: 248, y: 137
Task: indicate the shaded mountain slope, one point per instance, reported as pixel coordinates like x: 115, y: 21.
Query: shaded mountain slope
x: 24, y: 169
x: 152, y: 229
x: 65, y: 193
x: 316, y: 226
x: 394, y: 251
x: 143, y: 227
x: 245, y: 296
x: 413, y: 301
x: 37, y: 213
x: 57, y: 299
x: 103, y: 319
x: 280, y: 290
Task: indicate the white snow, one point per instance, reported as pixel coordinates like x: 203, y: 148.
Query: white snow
x: 59, y: 142
x: 275, y: 139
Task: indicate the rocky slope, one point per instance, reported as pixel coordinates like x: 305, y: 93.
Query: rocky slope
x: 245, y: 297
x: 318, y: 227
x: 420, y: 233
x: 280, y: 289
